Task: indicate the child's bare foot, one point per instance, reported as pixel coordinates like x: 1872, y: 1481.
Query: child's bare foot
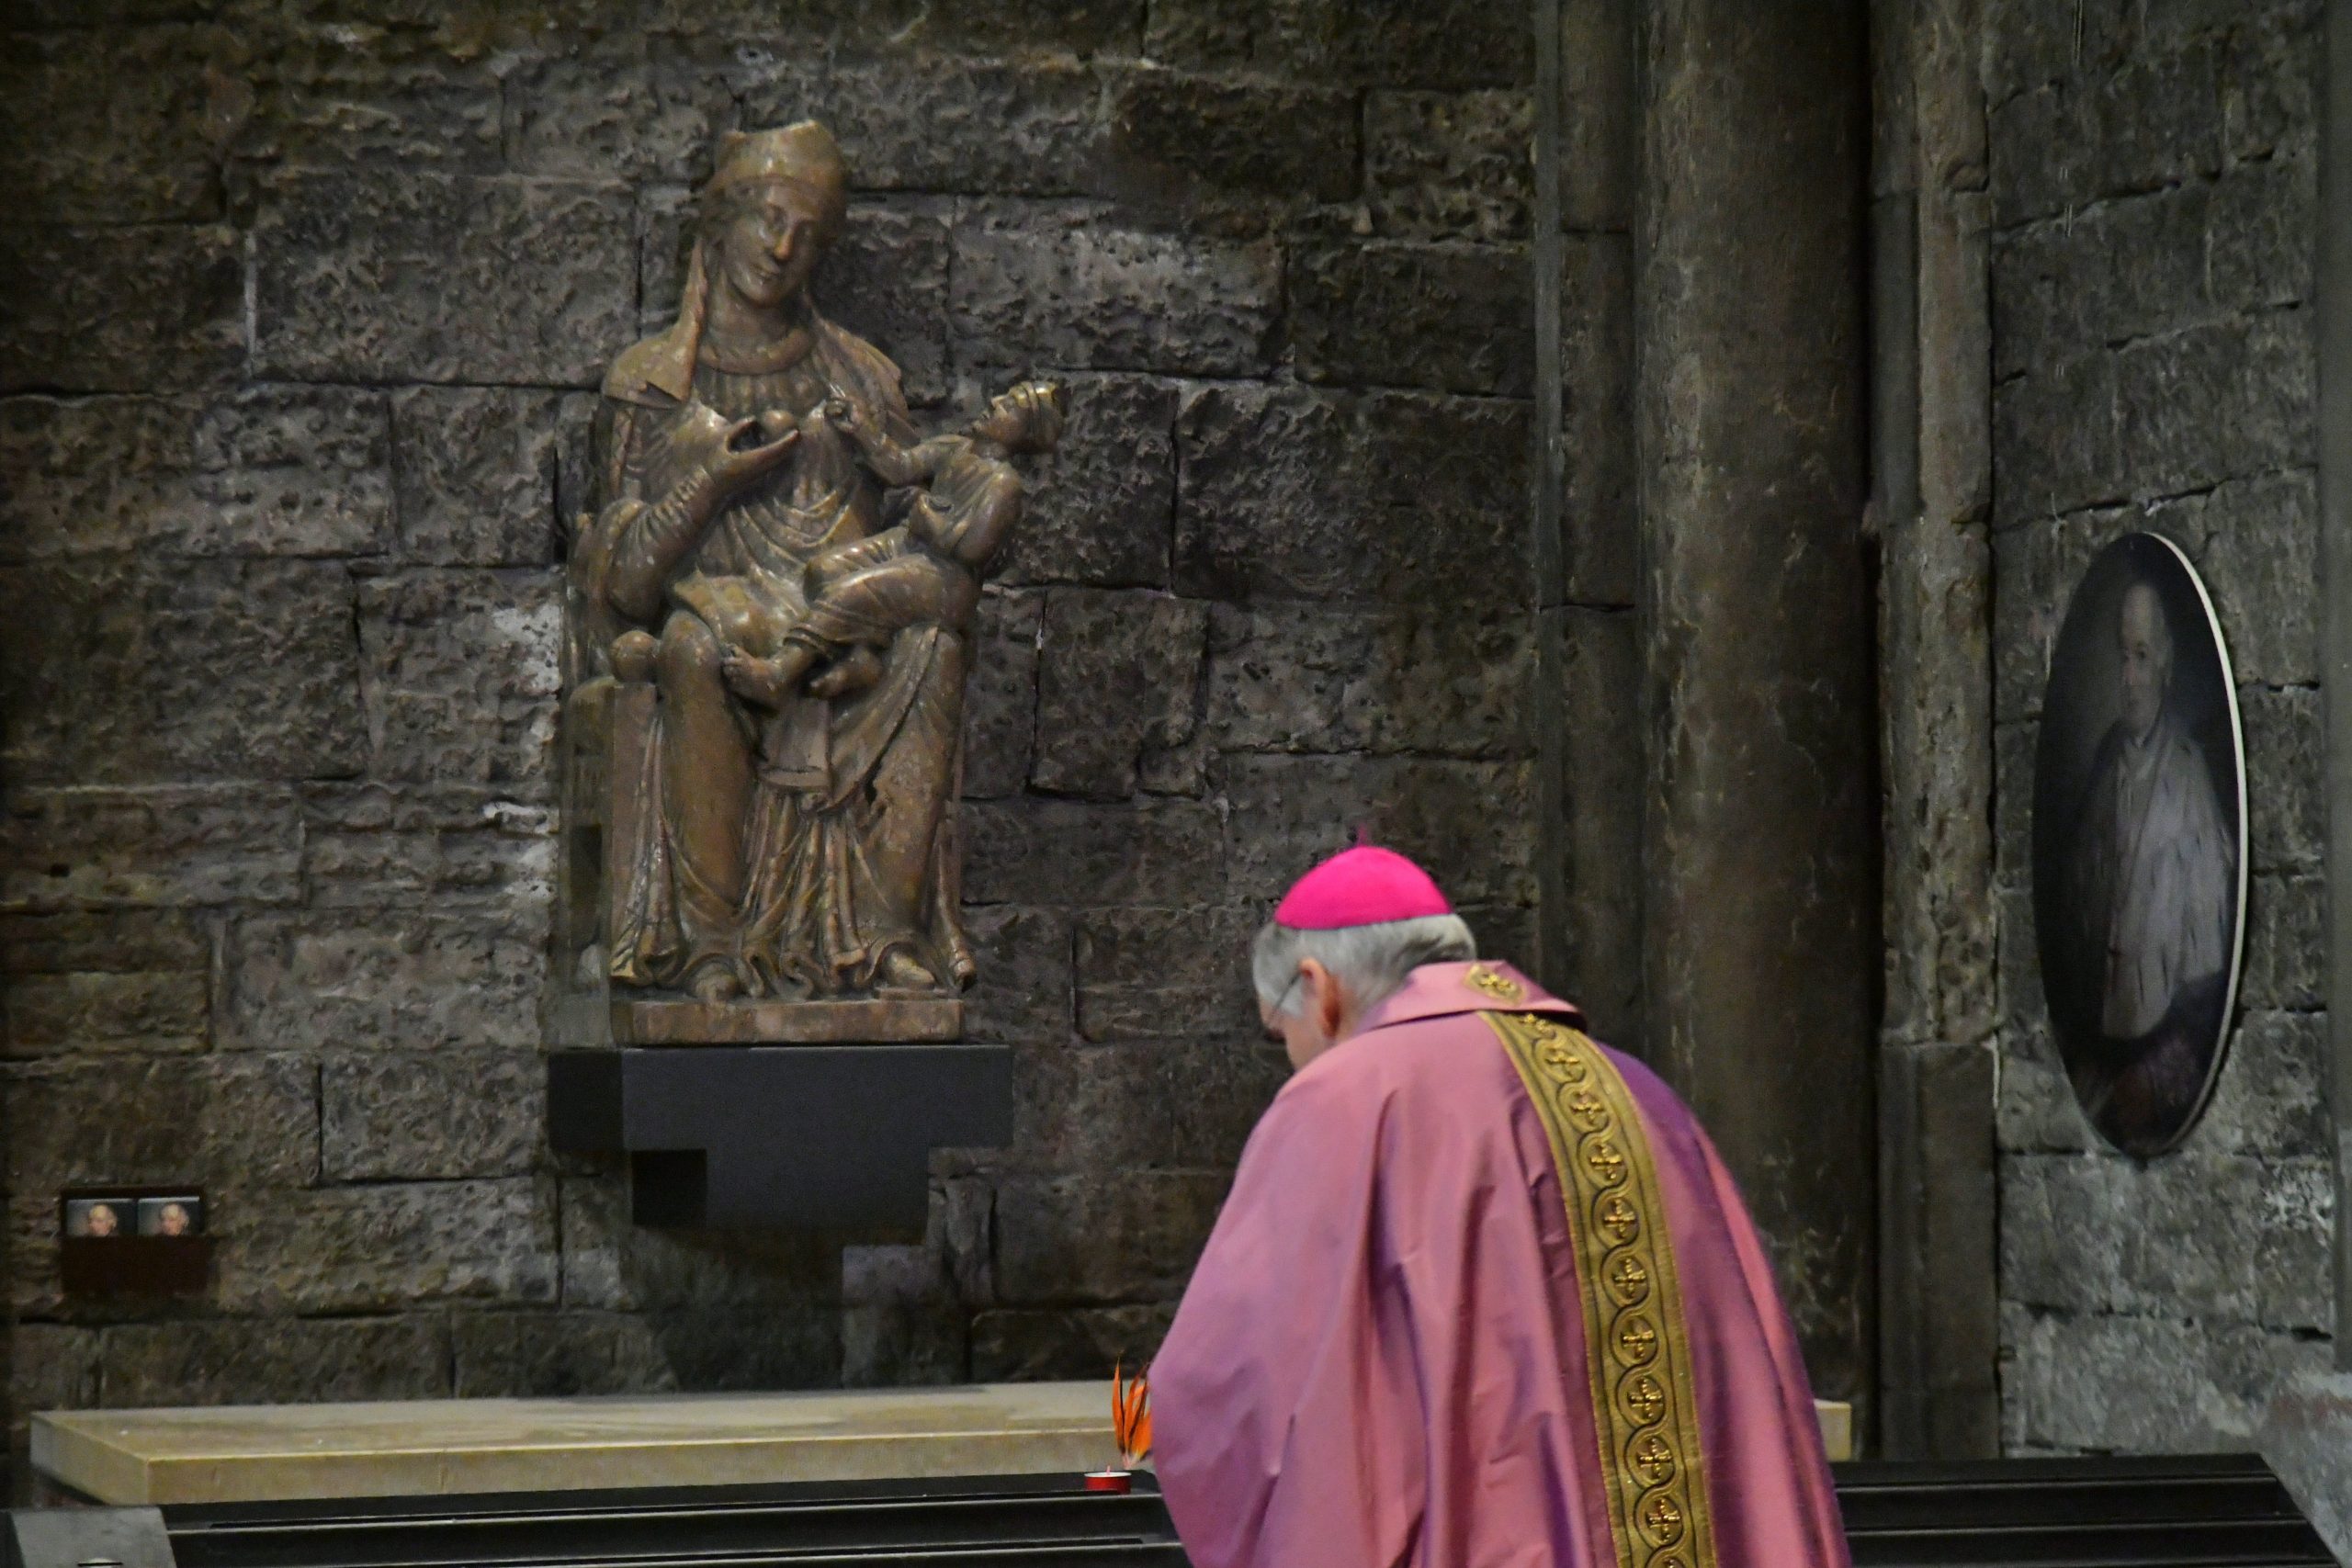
x: 852, y: 672
x: 767, y: 682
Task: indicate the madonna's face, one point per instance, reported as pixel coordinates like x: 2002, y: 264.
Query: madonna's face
x: 770, y: 245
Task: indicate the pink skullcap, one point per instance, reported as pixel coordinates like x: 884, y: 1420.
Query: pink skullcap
x: 1366, y: 886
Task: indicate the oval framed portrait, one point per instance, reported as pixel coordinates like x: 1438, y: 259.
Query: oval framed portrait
x: 2140, y: 844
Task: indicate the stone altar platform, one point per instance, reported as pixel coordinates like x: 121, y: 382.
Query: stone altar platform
x: 254, y: 1453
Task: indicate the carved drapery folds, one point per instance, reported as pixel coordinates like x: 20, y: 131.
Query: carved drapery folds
x: 770, y: 613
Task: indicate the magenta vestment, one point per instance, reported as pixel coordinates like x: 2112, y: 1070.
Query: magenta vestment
x: 1382, y: 1357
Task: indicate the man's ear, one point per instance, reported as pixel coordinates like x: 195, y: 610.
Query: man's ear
x: 1323, y: 995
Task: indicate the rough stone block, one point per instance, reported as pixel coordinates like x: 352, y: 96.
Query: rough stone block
x: 1070, y: 286
x: 1101, y: 509
x: 402, y: 1115
x: 105, y: 941
x: 125, y: 670
x: 886, y: 281
x: 146, y: 1013
x: 1029, y: 127
x: 2271, y: 72
x: 548, y: 1355
x: 351, y: 1249
x: 1084, y: 852
x: 126, y: 133
x: 2261, y: 564
x: 338, y: 97
x: 1066, y: 1239
x: 1117, y: 679
x: 134, y: 309
x: 1451, y: 45
x: 1001, y: 696
x: 2216, y: 402
x: 2144, y: 1384
x: 2064, y: 1233
x: 1450, y: 317
x: 1016, y: 1345
x: 1152, y: 973
x: 430, y: 278
x: 384, y: 977
x: 460, y: 674
x: 268, y: 471
x: 611, y: 1264
x: 51, y: 1366
x: 2014, y: 748
x: 617, y: 109
x: 2159, y: 119
x: 2285, y: 946
x: 2036, y: 1112
x: 2043, y: 146
x: 441, y: 845
x: 2124, y: 269
x: 1467, y: 822
x: 244, y: 1360
x: 1331, y: 679
x: 2284, y: 751
x: 1075, y: 1105
x: 1023, y: 990
x: 177, y: 845
x: 474, y: 475
x: 2271, y: 1098
x: 1450, y: 166
x: 1293, y: 492
x: 248, y: 1119
x: 1181, y: 139
x: 2055, y: 446
x: 2263, y: 237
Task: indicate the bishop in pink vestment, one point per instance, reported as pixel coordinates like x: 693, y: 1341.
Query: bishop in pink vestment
x: 1483, y: 1294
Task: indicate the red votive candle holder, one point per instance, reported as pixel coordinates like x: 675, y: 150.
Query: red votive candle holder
x: 1109, y: 1481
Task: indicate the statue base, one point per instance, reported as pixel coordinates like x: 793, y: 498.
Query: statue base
x: 810, y: 1137
x: 683, y: 1022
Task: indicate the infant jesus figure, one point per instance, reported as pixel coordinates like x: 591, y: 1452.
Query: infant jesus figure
x: 926, y: 570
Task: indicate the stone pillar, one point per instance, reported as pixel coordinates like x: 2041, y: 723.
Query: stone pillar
x: 1760, y: 834
x: 2335, y: 652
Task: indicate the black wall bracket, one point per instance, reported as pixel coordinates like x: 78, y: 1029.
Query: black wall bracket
x: 829, y: 1138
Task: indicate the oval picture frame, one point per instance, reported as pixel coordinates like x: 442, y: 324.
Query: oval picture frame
x: 2140, y: 844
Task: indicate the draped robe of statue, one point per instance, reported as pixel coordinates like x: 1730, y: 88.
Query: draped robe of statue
x: 800, y: 849
x: 1483, y: 1294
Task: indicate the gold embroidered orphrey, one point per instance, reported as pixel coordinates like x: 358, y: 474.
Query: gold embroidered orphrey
x: 1490, y: 981
x: 1636, y: 1344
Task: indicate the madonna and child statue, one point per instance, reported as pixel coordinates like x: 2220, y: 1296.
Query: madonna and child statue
x: 770, y: 609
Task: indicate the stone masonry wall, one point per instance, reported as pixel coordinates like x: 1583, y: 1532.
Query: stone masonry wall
x: 2153, y: 207
x: 307, y: 302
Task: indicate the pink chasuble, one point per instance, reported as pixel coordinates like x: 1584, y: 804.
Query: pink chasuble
x: 1483, y: 1294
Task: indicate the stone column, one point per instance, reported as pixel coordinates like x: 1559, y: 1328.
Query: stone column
x: 1760, y: 834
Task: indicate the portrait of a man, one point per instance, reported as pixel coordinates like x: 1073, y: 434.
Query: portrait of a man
x: 2138, y: 844
x: 170, y: 1216
x: 98, y: 1219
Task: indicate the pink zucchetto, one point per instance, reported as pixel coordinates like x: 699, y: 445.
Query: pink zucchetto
x: 1366, y: 886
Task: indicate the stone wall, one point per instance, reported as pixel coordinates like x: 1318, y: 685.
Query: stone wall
x: 2152, y: 219
x: 308, y: 304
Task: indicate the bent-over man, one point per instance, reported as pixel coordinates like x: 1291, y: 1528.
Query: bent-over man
x: 1483, y: 1294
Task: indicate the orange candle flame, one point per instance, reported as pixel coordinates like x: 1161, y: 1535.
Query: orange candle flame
x: 1131, y: 1415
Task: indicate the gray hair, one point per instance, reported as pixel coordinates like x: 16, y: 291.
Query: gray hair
x: 1371, y: 962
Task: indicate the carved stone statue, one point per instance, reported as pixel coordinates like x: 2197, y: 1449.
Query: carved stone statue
x: 770, y: 615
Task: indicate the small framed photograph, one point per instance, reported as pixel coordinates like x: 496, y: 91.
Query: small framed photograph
x: 171, y: 1217
x: 100, y: 1219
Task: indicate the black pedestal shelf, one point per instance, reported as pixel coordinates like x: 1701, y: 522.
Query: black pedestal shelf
x: 825, y: 1138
